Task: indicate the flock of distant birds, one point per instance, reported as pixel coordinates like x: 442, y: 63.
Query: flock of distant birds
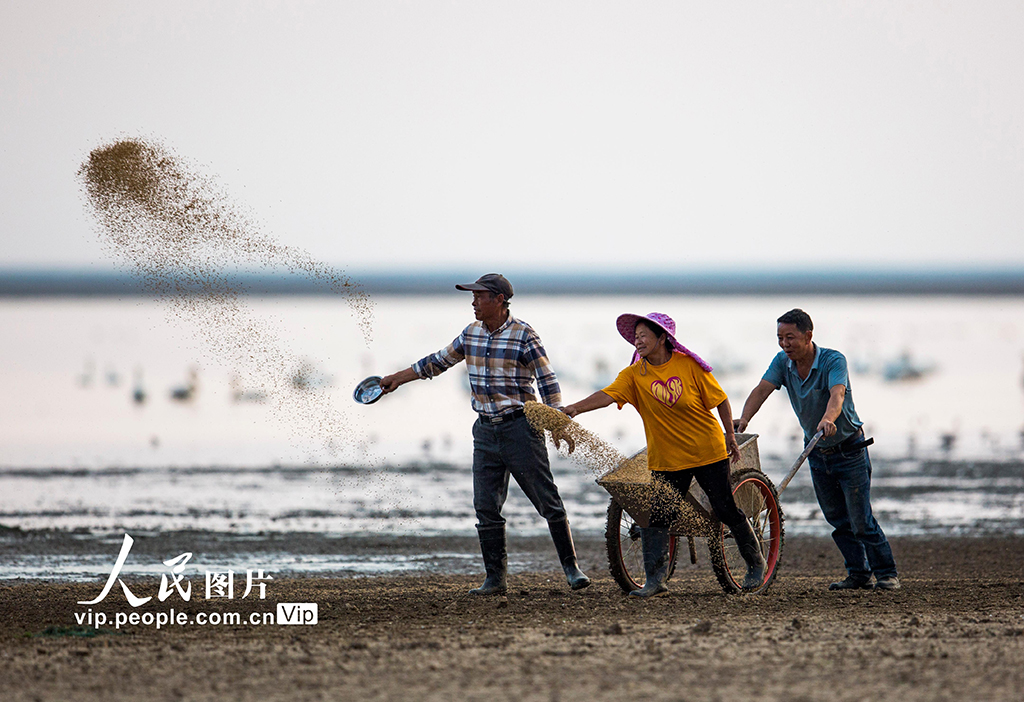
x: 901, y: 368
x: 305, y: 377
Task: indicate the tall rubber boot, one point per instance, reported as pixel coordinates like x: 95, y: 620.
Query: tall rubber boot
x: 562, y: 537
x: 750, y: 548
x: 654, y: 542
x: 492, y: 546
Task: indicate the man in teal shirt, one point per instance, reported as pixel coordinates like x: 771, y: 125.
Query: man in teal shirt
x: 818, y: 385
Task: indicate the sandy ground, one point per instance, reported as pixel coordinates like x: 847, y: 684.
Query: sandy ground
x: 954, y: 632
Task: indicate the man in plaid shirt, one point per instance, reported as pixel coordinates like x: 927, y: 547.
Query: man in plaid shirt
x: 503, y: 355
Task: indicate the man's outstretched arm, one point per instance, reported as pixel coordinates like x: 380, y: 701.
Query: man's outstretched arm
x: 832, y: 411
x: 428, y: 367
x: 754, y: 401
x: 390, y: 383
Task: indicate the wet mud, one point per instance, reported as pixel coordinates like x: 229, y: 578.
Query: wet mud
x: 953, y: 632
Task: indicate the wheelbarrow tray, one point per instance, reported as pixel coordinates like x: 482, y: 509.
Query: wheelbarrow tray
x: 629, y: 484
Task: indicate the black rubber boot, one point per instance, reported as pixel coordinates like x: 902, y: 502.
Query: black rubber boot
x: 492, y: 545
x: 562, y: 537
x: 655, y: 547
x: 750, y: 549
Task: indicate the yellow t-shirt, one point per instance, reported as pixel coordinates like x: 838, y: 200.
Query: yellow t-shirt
x: 675, y: 401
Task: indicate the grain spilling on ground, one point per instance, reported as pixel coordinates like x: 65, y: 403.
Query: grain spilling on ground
x: 629, y: 478
x: 593, y: 452
x: 172, y: 226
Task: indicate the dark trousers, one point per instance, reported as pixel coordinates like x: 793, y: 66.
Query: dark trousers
x: 511, y: 448
x: 842, y: 483
x: 713, y: 480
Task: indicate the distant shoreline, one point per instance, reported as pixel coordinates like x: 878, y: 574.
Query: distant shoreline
x: 34, y: 283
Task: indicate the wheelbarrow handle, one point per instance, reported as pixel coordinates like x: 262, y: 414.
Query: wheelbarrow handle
x: 800, y: 461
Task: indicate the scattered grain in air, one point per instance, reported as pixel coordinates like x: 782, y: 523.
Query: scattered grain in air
x: 173, y: 227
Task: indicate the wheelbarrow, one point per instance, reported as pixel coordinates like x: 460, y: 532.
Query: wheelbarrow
x: 633, y: 493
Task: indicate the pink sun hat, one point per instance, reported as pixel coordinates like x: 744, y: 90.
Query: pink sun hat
x: 626, y: 324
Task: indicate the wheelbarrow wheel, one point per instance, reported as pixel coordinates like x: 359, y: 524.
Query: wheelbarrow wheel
x: 755, y: 495
x: 625, y: 552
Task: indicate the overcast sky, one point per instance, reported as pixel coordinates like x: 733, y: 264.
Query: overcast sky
x: 513, y: 135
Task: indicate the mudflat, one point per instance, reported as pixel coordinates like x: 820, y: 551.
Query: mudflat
x: 955, y: 631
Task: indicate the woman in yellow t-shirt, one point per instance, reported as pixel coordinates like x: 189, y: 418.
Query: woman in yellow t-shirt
x: 675, y: 392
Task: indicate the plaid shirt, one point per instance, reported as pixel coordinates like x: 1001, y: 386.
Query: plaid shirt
x: 502, y: 365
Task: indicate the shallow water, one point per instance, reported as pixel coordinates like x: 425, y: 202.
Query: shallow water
x: 78, y: 452
x: 423, y: 505
x: 95, y: 567
x: 70, y: 368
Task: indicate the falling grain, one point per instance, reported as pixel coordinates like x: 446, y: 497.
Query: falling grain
x: 592, y: 451
x: 173, y: 227
x: 629, y: 478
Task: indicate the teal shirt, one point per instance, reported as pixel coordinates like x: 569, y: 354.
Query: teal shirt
x: 809, y: 397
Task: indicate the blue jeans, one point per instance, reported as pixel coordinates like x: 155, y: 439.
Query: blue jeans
x: 511, y: 448
x: 842, y: 483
